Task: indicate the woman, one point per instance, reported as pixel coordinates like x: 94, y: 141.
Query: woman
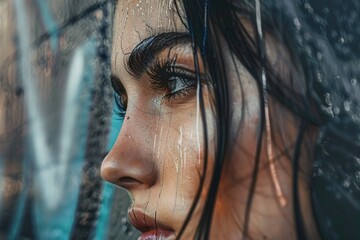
x: 240, y: 118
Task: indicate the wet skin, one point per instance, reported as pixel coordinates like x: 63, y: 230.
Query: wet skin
x: 158, y: 155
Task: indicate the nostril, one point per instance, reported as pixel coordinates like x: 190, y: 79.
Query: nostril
x: 121, y: 168
x: 128, y: 182
x: 111, y: 172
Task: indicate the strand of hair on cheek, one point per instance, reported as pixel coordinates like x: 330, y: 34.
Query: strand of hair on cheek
x: 269, y: 148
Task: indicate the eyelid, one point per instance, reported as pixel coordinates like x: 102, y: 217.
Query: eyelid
x: 117, y: 85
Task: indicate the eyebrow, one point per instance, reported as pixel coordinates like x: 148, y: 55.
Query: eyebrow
x: 147, y: 50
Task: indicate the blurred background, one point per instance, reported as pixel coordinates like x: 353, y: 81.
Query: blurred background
x: 56, y: 122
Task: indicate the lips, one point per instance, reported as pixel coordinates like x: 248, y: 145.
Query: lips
x: 158, y: 234
x: 150, y: 228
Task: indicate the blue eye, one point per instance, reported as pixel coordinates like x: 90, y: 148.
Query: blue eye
x: 178, y: 83
x: 119, y: 106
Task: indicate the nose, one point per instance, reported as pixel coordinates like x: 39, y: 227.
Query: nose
x: 130, y: 164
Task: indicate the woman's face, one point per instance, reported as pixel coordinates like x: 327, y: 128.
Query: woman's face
x: 158, y: 155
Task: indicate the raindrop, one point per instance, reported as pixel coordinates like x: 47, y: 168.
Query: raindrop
x: 357, y: 176
x: 329, y: 111
x: 319, y: 56
x: 328, y: 99
x: 320, y: 172
x: 353, y: 81
x: 357, y: 185
x: 347, y: 105
x: 357, y: 160
x: 336, y: 110
x: 341, y: 40
x: 319, y: 77
x: 125, y: 228
x: 297, y: 23
x: 346, y: 183
x: 357, y: 180
x: 309, y: 8
x: 308, y: 51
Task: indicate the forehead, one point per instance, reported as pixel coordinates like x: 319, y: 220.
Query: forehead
x: 136, y: 20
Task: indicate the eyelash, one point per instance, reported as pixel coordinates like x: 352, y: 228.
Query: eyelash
x: 162, y: 73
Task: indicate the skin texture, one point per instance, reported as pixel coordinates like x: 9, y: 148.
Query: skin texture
x: 158, y: 155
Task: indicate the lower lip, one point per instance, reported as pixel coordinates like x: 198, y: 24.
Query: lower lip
x: 157, y: 235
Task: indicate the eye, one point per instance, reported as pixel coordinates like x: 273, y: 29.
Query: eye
x: 120, y: 104
x: 120, y: 97
x: 178, y: 83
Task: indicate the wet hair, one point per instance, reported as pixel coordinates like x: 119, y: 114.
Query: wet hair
x: 321, y: 90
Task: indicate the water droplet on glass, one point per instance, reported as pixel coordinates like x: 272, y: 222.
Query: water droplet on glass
x: 328, y: 99
x: 308, y: 7
x: 357, y: 176
x: 319, y: 77
x: 297, y: 23
x: 308, y: 51
x: 346, y: 183
x: 357, y: 160
x: 319, y: 56
x: 353, y: 81
x: 347, y: 105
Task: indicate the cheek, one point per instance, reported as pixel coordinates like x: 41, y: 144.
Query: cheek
x: 183, y: 149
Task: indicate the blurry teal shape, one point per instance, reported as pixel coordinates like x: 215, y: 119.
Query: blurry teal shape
x: 103, y: 225
x: 18, y: 217
x: 56, y: 222
x: 21, y: 202
x: 49, y: 23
